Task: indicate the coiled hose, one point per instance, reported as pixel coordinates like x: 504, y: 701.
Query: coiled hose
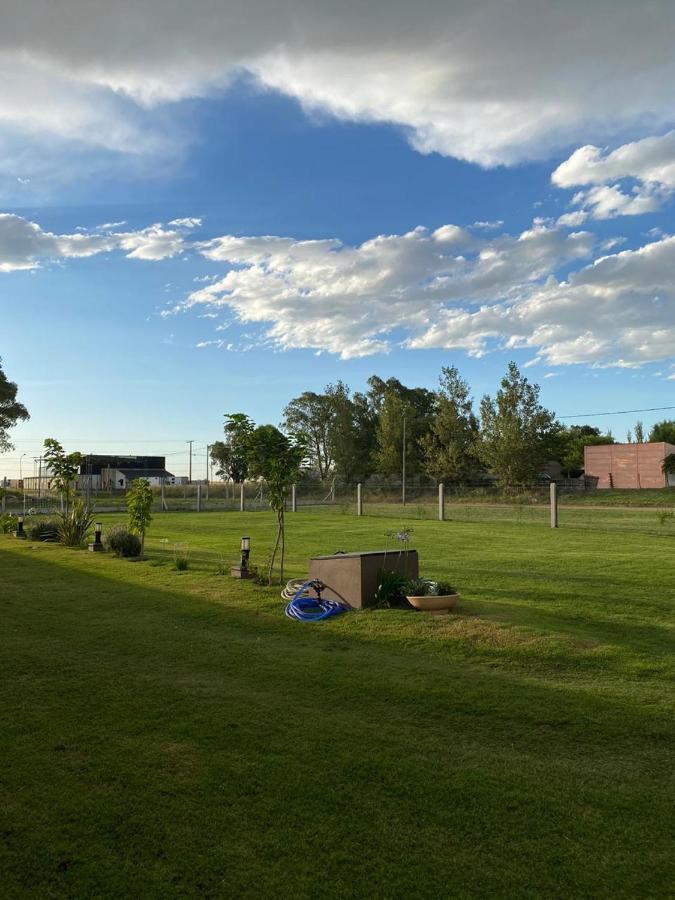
x: 304, y: 607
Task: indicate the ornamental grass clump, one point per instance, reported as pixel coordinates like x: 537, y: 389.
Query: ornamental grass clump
x: 45, y: 530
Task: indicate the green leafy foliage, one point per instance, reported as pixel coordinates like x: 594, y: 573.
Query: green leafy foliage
x: 449, y: 448
x: 7, y: 523
x: 276, y: 458
x: 121, y: 542
x: 668, y: 465
x: 11, y: 411
x: 139, y: 502
x: 517, y: 433
x: 230, y: 455
x: 63, y: 467
x: 45, y: 530
x: 75, y: 524
x: 663, y: 431
x: 391, y: 589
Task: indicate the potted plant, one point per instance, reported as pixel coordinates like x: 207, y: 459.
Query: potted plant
x: 431, y: 596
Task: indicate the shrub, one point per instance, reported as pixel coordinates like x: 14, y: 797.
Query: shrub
x: 75, y: 524
x: 7, y: 523
x: 391, y: 589
x: 122, y: 542
x: 46, y: 530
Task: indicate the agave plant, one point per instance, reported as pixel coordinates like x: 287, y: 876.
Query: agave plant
x: 75, y: 524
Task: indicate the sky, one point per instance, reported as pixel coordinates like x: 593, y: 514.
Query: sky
x: 207, y: 208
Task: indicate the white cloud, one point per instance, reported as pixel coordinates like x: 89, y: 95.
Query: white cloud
x: 348, y: 300
x: 23, y: 244
x: 619, y: 311
x: 649, y: 162
x: 572, y: 219
x: 188, y: 222
x: 482, y: 80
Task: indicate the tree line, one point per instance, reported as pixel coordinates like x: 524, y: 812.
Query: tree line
x: 354, y: 435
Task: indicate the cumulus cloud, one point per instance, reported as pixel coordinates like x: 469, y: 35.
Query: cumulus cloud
x: 619, y: 311
x: 24, y: 244
x: 483, y: 80
x: 324, y: 295
x: 648, y: 163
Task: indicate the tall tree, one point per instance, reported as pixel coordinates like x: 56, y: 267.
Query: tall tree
x: 11, y: 411
x: 230, y: 456
x: 639, y: 432
x: 572, y: 441
x: 312, y: 415
x: 393, y: 401
x: 449, y: 449
x: 517, y: 433
x: 663, y: 431
x: 352, y: 435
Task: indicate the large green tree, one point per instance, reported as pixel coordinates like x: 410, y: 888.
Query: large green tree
x: 11, y: 411
x: 352, y: 435
x: 312, y: 415
x: 393, y: 402
x: 571, y: 443
x: 663, y: 431
x: 230, y: 456
x: 517, y: 434
x: 449, y: 449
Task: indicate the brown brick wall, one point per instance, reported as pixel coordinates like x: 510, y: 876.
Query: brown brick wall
x: 627, y: 465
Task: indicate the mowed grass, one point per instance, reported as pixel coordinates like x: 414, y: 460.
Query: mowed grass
x: 173, y: 734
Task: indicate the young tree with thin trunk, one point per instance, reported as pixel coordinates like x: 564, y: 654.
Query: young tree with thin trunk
x: 139, y: 507
x: 276, y: 458
x: 63, y: 469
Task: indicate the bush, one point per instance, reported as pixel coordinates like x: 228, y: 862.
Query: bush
x: 391, y: 589
x: 7, y: 523
x: 122, y: 542
x: 46, y: 530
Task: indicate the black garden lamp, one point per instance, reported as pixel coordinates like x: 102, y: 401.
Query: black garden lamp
x: 97, y: 545
x: 245, y: 546
x: 20, y: 533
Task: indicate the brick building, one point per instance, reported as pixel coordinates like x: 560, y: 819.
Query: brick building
x: 628, y: 465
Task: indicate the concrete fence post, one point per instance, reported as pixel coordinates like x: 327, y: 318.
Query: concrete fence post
x: 294, y: 498
x: 163, y: 499
x: 554, y: 505
x: 441, y: 502
x: 199, y: 498
x: 3, y: 504
x: 359, y: 500
x: 241, y: 497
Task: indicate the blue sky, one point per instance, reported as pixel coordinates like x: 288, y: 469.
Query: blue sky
x: 244, y: 168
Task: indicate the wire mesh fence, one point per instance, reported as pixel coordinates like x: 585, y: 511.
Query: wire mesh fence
x: 387, y: 498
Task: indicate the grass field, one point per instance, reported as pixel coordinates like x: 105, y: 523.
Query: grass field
x: 173, y: 734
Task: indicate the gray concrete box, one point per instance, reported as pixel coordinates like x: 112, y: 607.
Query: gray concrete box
x: 352, y: 577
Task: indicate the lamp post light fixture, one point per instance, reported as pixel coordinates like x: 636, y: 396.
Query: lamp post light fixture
x: 242, y: 570
x: 20, y: 533
x: 97, y: 545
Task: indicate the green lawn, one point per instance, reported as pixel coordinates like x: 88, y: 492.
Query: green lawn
x: 167, y: 734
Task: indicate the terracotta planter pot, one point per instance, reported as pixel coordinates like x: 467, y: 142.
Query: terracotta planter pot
x: 439, y: 604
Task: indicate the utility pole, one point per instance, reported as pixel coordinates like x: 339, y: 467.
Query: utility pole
x: 207, y: 466
x: 190, y: 471
x: 403, y: 463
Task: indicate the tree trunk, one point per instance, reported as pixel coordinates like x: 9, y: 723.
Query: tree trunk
x: 282, y: 529
x: 274, y: 552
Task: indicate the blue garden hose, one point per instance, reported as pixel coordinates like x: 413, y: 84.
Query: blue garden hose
x: 304, y: 608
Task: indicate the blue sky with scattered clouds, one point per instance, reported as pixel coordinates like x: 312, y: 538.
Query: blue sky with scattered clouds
x: 230, y: 209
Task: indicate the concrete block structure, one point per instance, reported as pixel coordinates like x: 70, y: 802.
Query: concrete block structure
x: 627, y: 465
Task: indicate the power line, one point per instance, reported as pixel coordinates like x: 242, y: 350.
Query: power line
x: 620, y: 412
